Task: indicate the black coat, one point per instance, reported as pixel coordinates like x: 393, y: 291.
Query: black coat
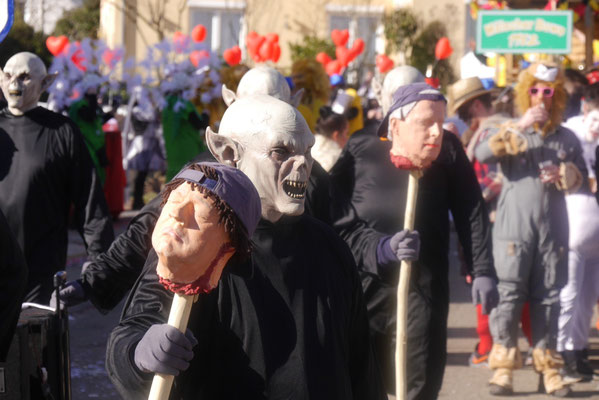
x: 365, y: 180
x: 288, y: 323
x: 13, y: 280
x: 45, y: 170
x: 110, y: 276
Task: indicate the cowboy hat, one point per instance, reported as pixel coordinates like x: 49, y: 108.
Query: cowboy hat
x: 465, y: 90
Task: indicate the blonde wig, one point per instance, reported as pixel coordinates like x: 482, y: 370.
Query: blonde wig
x: 526, y: 80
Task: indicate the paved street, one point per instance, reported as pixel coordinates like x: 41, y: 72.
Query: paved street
x: 90, y: 329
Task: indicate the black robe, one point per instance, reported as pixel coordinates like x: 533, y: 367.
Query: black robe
x: 290, y: 323
x: 13, y: 279
x: 110, y: 276
x: 365, y: 178
x: 45, y: 169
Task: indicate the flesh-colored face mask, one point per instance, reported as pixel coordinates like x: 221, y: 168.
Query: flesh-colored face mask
x: 23, y: 81
x: 187, y: 238
x: 419, y: 136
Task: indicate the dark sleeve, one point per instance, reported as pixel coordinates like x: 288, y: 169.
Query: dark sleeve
x: 364, y: 371
x: 109, y: 277
x: 148, y: 304
x: 469, y: 213
x: 597, y: 170
x: 361, y: 239
x: 92, y: 218
x: 13, y: 280
x: 318, y: 202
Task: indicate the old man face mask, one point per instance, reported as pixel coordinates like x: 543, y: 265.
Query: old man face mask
x: 187, y: 236
x: 23, y: 81
x: 270, y: 142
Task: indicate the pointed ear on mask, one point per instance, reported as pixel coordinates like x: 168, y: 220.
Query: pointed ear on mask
x: 226, y: 150
x: 377, y: 88
x: 297, y: 98
x: 229, y: 96
x: 48, y: 81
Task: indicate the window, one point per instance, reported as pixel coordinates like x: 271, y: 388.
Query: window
x: 223, y: 22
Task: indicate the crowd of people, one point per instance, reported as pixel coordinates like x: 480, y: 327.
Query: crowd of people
x: 300, y: 186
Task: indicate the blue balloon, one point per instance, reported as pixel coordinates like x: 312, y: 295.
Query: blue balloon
x: 336, y: 79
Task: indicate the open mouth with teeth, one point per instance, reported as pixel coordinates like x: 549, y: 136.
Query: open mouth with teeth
x: 295, y: 189
x: 15, y: 92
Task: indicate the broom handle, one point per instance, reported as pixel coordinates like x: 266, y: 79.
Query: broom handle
x: 178, y: 317
x: 402, y: 296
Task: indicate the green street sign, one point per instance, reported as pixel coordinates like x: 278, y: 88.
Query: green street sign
x: 530, y: 31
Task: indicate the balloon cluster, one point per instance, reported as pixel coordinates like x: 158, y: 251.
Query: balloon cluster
x: 263, y: 48
x: 344, y: 54
x: 81, y: 66
x: 182, y: 66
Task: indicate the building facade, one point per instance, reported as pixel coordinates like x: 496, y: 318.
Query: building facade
x: 136, y: 24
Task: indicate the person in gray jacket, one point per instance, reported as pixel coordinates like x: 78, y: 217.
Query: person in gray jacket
x: 540, y: 161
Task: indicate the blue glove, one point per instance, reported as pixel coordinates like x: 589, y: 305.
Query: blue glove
x: 404, y: 245
x: 165, y: 350
x: 484, y: 291
x: 70, y: 295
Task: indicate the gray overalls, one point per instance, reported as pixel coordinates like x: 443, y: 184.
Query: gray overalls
x: 530, y: 236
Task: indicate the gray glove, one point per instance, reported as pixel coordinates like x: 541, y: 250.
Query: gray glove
x: 70, y: 295
x: 165, y: 350
x: 405, y: 245
x: 484, y: 291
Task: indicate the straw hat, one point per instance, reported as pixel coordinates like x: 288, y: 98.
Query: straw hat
x: 465, y: 90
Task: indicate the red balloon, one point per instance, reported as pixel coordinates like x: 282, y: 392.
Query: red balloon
x: 233, y: 55
x: 443, y: 49
x: 110, y: 57
x: 340, y: 38
x: 343, y: 55
x: 56, y: 45
x: 272, y: 37
x: 266, y: 50
x: 334, y: 67
x: 323, y: 58
x: 253, y: 42
x: 198, y: 33
x: 196, y: 56
x: 276, y: 53
x: 78, y: 58
x: 434, y: 82
x: 383, y: 63
x: 357, y: 47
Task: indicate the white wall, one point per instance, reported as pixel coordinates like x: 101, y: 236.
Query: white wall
x: 43, y: 14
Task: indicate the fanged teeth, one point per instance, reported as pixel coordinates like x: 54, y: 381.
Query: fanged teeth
x: 295, y: 189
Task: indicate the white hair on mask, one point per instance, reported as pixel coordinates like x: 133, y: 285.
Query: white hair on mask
x: 264, y: 80
x: 254, y: 115
x: 400, y: 113
x: 396, y: 78
x: 26, y: 62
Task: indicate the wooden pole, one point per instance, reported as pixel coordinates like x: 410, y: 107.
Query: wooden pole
x: 589, y: 30
x: 178, y: 317
x: 401, y: 387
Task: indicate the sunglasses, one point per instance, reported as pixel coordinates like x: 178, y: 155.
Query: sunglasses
x: 547, y: 92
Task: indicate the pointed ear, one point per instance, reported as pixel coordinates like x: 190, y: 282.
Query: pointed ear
x: 377, y: 88
x: 229, y: 96
x: 48, y: 80
x: 226, y: 150
x: 297, y: 98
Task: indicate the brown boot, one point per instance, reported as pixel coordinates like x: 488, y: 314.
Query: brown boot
x: 547, y: 363
x: 503, y: 360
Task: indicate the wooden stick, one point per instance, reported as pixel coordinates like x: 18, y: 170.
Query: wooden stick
x: 178, y: 317
x: 403, y: 288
